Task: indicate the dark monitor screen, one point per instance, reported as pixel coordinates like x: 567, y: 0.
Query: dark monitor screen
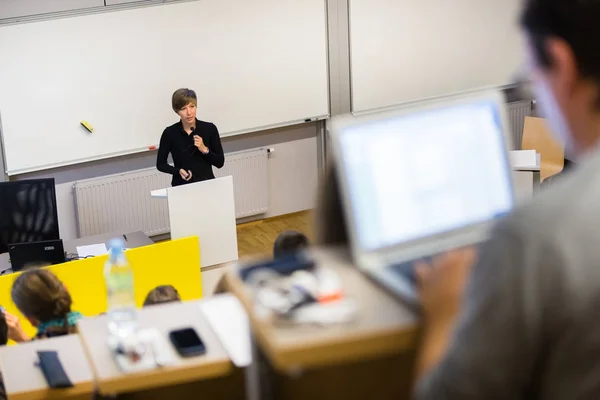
x: 28, y: 212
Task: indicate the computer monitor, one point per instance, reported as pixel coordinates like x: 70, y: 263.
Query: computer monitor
x: 28, y: 212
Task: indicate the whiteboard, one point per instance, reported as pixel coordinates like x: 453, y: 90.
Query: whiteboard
x: 254, y: 65
x: 409, y: 50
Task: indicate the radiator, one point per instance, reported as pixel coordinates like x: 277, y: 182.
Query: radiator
x: 122, y: 202
x: 517, y: 111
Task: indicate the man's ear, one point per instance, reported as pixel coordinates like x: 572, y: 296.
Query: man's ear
x: 563, y: 72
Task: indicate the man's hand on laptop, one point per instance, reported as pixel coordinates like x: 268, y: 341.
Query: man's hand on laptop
x: 441, y: 286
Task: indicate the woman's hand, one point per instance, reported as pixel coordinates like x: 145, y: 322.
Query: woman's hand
x: 199, y: 143
x: 185, y: 175
x: 15, y: 332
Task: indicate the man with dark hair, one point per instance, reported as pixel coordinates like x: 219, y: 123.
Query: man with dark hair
x: 194, y: 145
x: 289, y: 242
x: 522, y: 321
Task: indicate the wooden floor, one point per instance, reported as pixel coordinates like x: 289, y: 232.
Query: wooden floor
x: 257, y: 238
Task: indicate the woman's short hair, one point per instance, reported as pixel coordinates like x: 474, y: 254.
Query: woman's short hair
x: 183, y: 97
x: 162, y: 294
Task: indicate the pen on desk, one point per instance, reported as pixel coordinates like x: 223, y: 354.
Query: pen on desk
x: 124, y: 237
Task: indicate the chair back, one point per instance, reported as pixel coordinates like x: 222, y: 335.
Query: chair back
x: 537, y: 136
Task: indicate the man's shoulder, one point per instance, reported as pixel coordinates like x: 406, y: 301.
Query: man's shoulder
x: 567, y: 206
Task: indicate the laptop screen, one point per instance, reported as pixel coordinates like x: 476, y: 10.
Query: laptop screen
x: 425, y: 173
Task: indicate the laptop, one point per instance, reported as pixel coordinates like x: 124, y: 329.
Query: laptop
x: 46, y: 252
x: 421, y: 180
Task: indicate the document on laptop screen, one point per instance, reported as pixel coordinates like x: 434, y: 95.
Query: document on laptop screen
x: 425, y: 173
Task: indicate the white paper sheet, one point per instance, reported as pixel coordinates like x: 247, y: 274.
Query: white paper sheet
x: 159, y: 193
x: 229, y: 321
x: 92, y: 250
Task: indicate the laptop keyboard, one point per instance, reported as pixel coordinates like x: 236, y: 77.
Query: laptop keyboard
x: 406, y: 270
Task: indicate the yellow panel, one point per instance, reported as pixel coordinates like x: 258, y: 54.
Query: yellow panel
x: 175, y: 262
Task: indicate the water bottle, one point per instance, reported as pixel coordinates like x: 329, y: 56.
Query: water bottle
x: 118, y: 274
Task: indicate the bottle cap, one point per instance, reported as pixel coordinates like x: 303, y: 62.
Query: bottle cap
x: 116, y: 244
x: 116, y: 247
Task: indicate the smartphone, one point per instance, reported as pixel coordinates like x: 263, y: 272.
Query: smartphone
x: 187, y: 342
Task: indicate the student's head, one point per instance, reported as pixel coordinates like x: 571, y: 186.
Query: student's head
x: 184, y: 103
x: 564, y: 55
x: 330, y: 223
x: 41, y: 296
x: 162, y: 294
x: 289, y: 242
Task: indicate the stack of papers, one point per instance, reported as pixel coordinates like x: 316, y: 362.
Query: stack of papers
x: 229, y: 321
x: 92, y: 250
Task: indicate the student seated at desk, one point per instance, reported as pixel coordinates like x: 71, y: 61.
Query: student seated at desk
x: 161, y: 295
x: 520, y: 321
x: 44, y: 300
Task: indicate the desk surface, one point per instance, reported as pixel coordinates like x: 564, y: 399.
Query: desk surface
x: 110, y: 379
x: 25, y: 381
x: 134, y: 239
x: 383, y: 326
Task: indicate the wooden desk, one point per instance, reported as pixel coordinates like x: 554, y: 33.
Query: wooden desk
x: 25, y: 381
x: 371, y: 356
x: 383, y: 325
x: 109, y: 378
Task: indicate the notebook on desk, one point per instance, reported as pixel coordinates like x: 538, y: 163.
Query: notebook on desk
x: 421, y: 180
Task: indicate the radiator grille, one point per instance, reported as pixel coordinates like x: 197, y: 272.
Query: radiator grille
x: 122, y: 202
x: 250, y: 181
x: 517, y: 111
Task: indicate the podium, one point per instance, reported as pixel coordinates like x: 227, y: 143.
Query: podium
x: 205, y: 209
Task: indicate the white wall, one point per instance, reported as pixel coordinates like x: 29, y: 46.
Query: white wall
x: 293, y: 172
x: 293, y: 167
